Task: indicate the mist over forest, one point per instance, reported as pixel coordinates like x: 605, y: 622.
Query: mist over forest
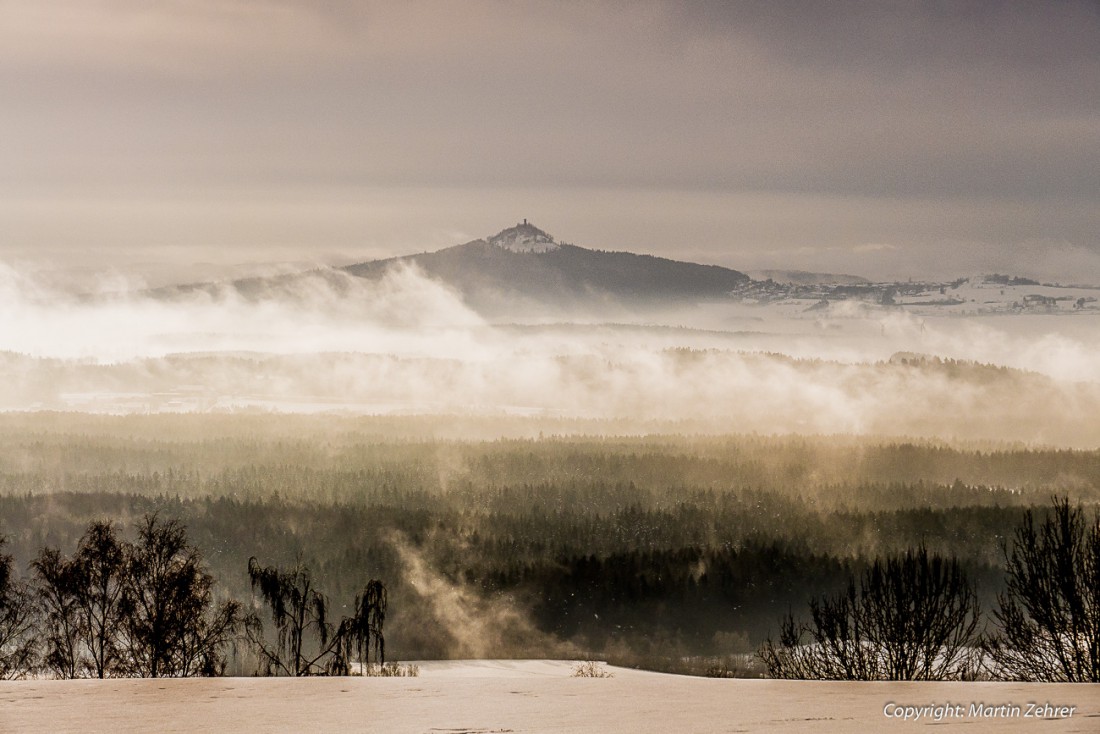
x: 652, y: 550
x: 326, y: 341
x: 651, y: 483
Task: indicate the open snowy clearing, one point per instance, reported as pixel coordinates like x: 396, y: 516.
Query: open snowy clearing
x: 526, y: 696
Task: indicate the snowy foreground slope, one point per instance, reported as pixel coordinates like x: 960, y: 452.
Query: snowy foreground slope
x: 522, y: 696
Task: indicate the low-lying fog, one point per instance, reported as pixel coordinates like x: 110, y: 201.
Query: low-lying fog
x: 408, y: 344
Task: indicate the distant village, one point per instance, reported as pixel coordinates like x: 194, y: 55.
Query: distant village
x: 983, y: 294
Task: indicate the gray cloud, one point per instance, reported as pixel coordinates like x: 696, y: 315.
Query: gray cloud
x: 876, y: 116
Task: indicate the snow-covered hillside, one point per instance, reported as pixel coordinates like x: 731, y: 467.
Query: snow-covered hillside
x: 532, y: 696
x: 524, y: 237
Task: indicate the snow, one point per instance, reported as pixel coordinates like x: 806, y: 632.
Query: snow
x: 516, y: 696
x: 524, y: 237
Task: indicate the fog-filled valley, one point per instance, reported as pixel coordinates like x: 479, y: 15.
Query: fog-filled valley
x: 655, y: 483
x: 404, y: 343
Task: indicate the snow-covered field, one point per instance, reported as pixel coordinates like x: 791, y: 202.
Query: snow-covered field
x: 527, y: 696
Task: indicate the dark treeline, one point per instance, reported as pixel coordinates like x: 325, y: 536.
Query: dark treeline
x: 359, y: 460
x: 704, y: 577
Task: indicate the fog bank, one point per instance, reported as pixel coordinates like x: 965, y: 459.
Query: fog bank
x: 406, y: 344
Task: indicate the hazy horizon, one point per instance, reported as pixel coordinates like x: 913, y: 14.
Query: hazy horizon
x: 887, y: 140
x: 406, y: 344
x: 214, y: 139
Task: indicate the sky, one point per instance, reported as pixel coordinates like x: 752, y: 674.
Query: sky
x: 186, y: 138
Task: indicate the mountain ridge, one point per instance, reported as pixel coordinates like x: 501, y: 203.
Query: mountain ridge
x: 525, y: 265
x: 523, y: 269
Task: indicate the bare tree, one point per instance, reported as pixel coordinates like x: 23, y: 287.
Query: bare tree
x: 81, y: 603
x: 1049, y: 615
x: 141, y: 609
x: 65, y: 629
x: 97, y: 577
x: 307, y: 641
x: 169, y: 628
x: 298, y: 611
x: 357, y: 633
x: 913, y: 617
x: 202, y: 649
x: 18, y: 643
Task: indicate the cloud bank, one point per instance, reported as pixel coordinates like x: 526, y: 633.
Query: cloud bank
x: 406, y: 344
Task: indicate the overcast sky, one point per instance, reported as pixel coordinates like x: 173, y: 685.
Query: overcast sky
x: 910, y: 138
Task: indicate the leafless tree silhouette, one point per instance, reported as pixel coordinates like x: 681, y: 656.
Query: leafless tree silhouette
x: 17, y: 623
x: 307, y: 642
x: 1049, y: 616
x: 172, y: 628
x: 141, y: 609
x: 913, y: 617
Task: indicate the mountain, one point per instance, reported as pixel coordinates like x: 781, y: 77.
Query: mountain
x: 524, y: 238
x: 523, y: 269
x: 524, y: 265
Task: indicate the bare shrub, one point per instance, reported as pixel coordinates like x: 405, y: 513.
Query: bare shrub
x: 720, y: 671
x: 913, y: 617
x: 732, y: 666
x: 391, y: 670
x: 591, y: 669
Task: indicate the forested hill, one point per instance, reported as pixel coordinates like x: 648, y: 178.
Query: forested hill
x: 522, y: 269
x: 489, y: 274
